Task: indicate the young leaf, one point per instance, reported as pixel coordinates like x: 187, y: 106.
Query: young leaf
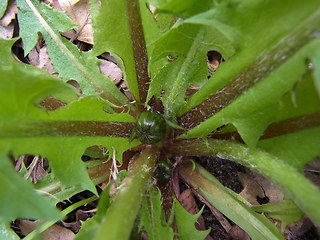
x: 69, y: 62
x: 152, y: 217
x: 185, y: 223
x: 188, y: 66
x: 121, y: 211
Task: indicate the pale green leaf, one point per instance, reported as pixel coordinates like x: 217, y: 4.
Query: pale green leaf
x: 112, y: 34
x: 286, y: 212
x: 6, y: 232
x: 3, y: 7
x: 229, y: 203
x: 298, y: 188
x: 152, y: 217
x: 182, y: 8
x: 188, y: 66
x: 254, y: 110
x: 68, y: 61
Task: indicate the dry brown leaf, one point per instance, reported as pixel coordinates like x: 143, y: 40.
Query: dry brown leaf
x: 79, y: 12
x: 6, y: 23
x: 256, y: 185
x: 111, y: 70
x: 312, y: 171
x: 187, y: 201
x: 55, y: 232
x: 40, y: 58
x: 9, y: 15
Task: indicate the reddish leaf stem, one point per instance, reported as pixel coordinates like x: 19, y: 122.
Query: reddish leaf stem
x: 139, y: 47
x: 69, y: 128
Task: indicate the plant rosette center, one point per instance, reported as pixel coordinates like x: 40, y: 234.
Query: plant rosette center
x: 150, y: 127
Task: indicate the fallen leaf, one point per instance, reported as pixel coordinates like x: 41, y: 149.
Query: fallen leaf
x: 188, y: 202
x: 255, y: 185
x: 111, y: 70
x: 9, y: 15
x: 55, y: 232
x: 79, y: 12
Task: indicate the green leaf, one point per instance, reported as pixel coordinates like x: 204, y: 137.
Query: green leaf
x: 253, y: 40
x: 185, y: 222
x: 188, y: 66
x: 286, y: 211
x: 26, y: 128
x: 229, y: 203
x: 68, y: 61
x: 3, y: 7
x: 112, y: 34
x: 121, y: 211
x: 296, y: 149
x: 152, y: 217
x: 254, y: 110
x: 7, y: 233
x: 15, y: 190
x: 184, y: 9
x: 299, y: 189
x: 314, y: 57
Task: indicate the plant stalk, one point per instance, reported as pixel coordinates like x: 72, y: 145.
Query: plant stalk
x: 303, y: 192
x: 256, y: 225
x: 124, y: 208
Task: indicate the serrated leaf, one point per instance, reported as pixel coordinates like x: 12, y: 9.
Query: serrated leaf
x: 152, y: 217
x: 112, y: 34
x: 286, y: 211
x: 68, y: 61
x: 26, y: 128
x: 185, y: 222
x: 188, y: 66
x: 254, y: 110
x: 15, y: 190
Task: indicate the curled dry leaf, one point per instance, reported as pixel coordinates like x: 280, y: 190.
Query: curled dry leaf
x: 6, y: 22
x: 9, y: 15
x: 111, y: 70
x: 79, y: 12
x: 53, y: 233
x: 255, y: 185
x: 188, y: 202
x: 40, y: 58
